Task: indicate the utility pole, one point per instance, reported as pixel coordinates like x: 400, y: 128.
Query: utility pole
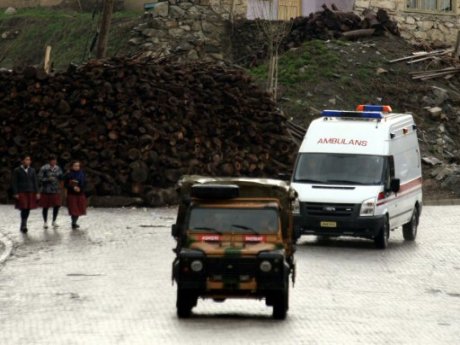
x: 104, y: 29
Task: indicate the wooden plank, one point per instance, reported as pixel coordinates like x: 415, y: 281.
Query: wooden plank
x: 47, y: 63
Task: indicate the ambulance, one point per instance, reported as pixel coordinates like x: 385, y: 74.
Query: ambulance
x: 358, y: 173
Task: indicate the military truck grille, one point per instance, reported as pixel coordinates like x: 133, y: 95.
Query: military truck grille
x: 323, y: 209
x: 231, y: 267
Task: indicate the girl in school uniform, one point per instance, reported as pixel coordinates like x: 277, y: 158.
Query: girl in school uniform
x: 49, y: 178
x: 25, y: 190
x: 75, y: 183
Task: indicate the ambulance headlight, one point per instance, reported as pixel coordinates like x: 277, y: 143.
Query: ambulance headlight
x: 368, y: 207
x: 196, y: 265
x: 296, y: 206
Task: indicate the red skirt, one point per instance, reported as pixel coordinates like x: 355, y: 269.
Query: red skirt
x: 49, y: 200
x: 26, y: 201
x: 76, y: 203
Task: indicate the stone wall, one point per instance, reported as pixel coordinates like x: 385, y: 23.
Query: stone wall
x: 228, y: 8
x: 185, y: 30
x: 418, y: 27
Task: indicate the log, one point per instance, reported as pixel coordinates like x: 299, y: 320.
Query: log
x: 351, y: 35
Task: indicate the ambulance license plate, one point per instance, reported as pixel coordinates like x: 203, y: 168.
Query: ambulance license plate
x: 328, y: 224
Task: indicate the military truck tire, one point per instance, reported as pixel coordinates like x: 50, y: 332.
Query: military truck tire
x: 410, y: 229
x: 186, y: 300
x: 281, y: 304
x: 381, y: 240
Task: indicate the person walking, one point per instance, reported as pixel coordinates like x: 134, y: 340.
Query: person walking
x: 49, y: 178
x: 24, y: 186
x: 75, y: 183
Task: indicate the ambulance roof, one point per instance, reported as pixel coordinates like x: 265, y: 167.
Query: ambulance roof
x: 356, y: 132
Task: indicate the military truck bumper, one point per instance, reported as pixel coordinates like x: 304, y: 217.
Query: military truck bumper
x: 231, y: 276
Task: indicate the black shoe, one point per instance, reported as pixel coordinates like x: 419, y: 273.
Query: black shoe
x: 75, y: 226
x: 23, y: 230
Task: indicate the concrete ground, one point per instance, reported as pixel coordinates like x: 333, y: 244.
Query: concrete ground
x: 110, y: 283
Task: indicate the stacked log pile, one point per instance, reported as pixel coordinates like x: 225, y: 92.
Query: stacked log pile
x: 139, y: 125
x: 329, y: 23
x: 333, y: 23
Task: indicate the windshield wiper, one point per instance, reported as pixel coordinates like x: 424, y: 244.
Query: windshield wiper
x: 243, y: 227
x: 344, y: 181
x: 208, y: 229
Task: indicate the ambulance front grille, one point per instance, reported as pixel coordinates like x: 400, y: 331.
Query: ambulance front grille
x: 326, y: 209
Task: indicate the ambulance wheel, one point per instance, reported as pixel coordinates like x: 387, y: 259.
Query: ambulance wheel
x: 381, y: 240
x: 410, y: 229
x: 281, y: 304
x: 186, y: 300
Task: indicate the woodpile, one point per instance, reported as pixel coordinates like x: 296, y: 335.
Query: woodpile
x: 138, y: 126
x: 250, y: 48
x: 333, y: 23
x: 446, y: 61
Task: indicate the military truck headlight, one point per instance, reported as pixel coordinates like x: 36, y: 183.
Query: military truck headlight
x: 196, y: 265
x: 368, y: 207
x: 265, y: 266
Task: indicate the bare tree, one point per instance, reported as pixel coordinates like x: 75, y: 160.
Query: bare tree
x: 274, y: 31
x: 104, y: 29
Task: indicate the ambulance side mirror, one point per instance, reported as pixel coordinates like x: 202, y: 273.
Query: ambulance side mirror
x: 395, y: 185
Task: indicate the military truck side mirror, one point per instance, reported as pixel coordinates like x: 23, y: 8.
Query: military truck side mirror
x: 284, y: 176
x: 395, y: 185
x: 174, y: 230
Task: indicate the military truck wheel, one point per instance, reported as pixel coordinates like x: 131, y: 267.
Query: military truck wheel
x: 381, y: 240
x: 410, y: 229
x: 186, y: 300
x: 281, y: 304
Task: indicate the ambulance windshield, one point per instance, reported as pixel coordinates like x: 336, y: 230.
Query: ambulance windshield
x: 334, y: 168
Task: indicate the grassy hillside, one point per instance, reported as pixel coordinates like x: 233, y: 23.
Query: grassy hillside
x: 69, y: 33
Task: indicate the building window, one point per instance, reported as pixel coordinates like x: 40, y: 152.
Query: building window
x: 442, y: 6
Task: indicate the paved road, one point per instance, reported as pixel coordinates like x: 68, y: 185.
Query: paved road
x: 110, y: 284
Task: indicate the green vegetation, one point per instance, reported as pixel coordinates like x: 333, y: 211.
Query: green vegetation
x: 308, y: 63
x: 69, y: 33
x: 320, y: 74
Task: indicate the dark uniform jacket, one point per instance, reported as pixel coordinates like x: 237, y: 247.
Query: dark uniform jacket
x: 49, y: 178
x: 75, y: 179
x: 24, y: 181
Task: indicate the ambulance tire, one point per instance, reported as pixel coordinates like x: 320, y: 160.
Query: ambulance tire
x: 281, y: 304
x: 381, y: 240
x: 410, y: 229
x: 186, y: 300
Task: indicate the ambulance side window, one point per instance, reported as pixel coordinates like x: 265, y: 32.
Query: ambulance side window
x: 389, y: 172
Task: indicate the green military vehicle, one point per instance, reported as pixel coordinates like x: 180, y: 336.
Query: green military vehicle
x: 234, y: 240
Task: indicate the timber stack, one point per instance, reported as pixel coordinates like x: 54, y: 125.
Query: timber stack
x: 139, y: 125
x: 333, y: 23
x: 329, y: 23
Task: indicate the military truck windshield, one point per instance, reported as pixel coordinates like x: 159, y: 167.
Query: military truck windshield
x: 234, y: 220
x: 333, y: 168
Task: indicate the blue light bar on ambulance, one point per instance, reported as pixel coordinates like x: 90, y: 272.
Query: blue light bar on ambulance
x: 353, y: 114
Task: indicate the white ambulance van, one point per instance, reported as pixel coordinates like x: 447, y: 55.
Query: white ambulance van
x: 358, y: 173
